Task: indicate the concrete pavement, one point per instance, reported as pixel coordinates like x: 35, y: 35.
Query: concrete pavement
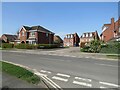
x: 70, y: 72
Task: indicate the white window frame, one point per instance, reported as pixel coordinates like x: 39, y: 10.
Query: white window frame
x: 119, y: 29
x: 90, y: 34
x: 83, y: 35
x: 23, y: 33
x: 47, y: 34
x: 86, y: 34
x: 31, y: 34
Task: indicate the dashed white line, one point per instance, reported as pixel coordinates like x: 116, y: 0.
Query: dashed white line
x: 102, y: 87
x: 45, y: 71
x: 109, y: 84
x: 40, y: 74
x: 59, y: 78
x: 65, y: 75
x: 84, y: 79
x: 82, y: 83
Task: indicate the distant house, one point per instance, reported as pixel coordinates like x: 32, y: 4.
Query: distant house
x: 87, y: 37
x: 111, y: 32
x: 35, y: 35
x: 58, y: 40
x: 7, y: 38
x: 71, y: 40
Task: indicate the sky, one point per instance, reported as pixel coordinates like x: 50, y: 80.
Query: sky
x: 59, y: 17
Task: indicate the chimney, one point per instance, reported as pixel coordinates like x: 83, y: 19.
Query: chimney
x: 112, y: 20
x: 112, y: 23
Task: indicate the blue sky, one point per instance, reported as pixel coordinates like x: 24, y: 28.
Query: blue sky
x: 61, y: 18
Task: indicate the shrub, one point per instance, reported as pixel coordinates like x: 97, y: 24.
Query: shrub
x: 7, y: 45
x: 85, y: 49
x: 95, y: 46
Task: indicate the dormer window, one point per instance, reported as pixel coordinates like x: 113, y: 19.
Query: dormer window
x: 83, y: 35
x: 90, y: 34
x: 86, y: 34
x: 71, y: 36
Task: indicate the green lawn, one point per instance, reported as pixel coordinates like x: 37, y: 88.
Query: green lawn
x: 20, y: 72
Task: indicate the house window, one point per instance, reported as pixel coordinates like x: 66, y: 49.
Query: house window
x: 23, y: 33
x: 68, y: 36
x: 46, y: 34
x: 119, y: 29
x: 86, y: 34
x: 83, y: 35
x: 90, y: 34
x: 32, y: 34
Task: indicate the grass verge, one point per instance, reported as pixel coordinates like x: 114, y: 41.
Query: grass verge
x: 113, y: 56
x: 20, y: 72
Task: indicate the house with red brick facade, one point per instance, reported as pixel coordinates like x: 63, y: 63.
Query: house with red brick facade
x: 87, y: 37
x: 71, y: 40
x: 111, y: 31
x: 8, y: 38
x: 35, y: 35
x: 58, y: 40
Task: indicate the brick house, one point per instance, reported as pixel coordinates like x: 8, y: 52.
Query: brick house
x: 71, y: 40
x: 111, y: 31
x: 58, y: 40
x: 35, y: 35
x: 8, y: 38
x: 87, y: 37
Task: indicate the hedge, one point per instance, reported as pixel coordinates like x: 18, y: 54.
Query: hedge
x: 112, y: 47
x: 38, y: 46
x: 25, y: 46
x: 7, y: 45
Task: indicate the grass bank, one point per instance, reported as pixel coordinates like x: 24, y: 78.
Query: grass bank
x: 113, y: 56
x: 20, y: 72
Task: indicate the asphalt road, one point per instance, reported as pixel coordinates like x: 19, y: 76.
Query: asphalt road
x: 70, y: 72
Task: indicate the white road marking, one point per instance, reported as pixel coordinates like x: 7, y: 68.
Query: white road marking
x: 106, y: 65
x: 49, y: 81
x: 40, y: 74
x: 59, y: 78
x: 65, y: 75
x: 84, y: 79
x: 45, y: 71
x: 109, y: 84
x: 82, y: 83
x: 102, y: 87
